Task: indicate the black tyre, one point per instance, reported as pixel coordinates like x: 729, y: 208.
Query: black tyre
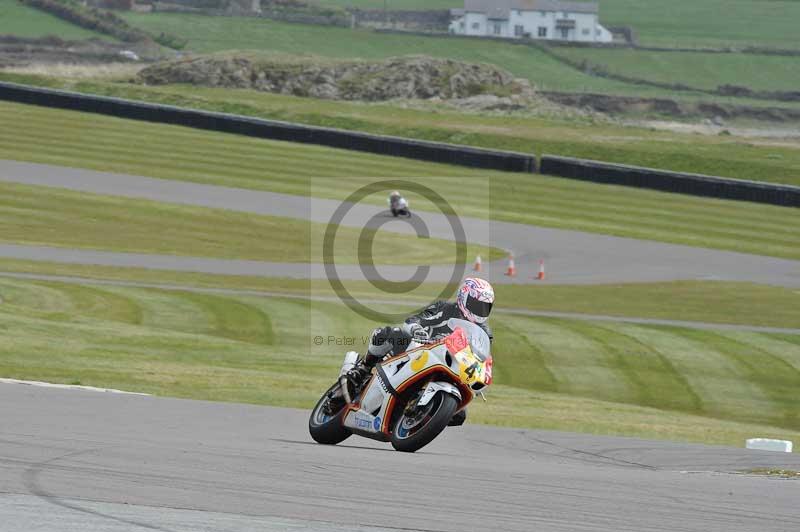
x: 325, y: 422
x: 417, y: 428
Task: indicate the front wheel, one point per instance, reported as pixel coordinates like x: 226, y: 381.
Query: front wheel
x: 325, y: 422
x: 419, y: 425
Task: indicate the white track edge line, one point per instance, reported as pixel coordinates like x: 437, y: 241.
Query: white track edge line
x: 68, y: 386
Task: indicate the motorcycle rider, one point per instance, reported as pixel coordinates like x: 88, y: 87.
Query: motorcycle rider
x: 397, y: 202
x: 474, y: 301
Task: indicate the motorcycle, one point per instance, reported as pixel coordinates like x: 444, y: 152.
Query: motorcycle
x: 410, y: 398
x: 400, y: 208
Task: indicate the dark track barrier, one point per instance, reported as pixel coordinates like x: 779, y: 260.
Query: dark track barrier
x: 681, y: 183
x: 271, y: 129
x: 582, y: 169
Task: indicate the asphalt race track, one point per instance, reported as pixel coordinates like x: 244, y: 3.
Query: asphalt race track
x: 73, y: 460
x: 572, y: 257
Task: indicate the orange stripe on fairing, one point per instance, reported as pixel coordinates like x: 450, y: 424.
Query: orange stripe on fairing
x: 387, y: 415
x: 409, y: 381
x: 466, y: 393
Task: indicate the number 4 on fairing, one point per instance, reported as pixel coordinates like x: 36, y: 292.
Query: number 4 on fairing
x: 411, y: 397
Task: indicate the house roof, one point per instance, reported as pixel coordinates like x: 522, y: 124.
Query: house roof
x: 500, y: 9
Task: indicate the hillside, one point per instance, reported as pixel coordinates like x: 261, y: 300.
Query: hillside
x: 215, y: 34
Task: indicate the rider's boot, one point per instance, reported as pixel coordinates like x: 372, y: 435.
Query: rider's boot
x: 382, y: 342
x: 363, y: 368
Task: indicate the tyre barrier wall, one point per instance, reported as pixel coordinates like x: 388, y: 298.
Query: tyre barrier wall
x: 271, y: 129
x: 681, y: 183
x: 582, y: 169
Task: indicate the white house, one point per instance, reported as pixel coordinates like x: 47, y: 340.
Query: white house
x: 535, y: 19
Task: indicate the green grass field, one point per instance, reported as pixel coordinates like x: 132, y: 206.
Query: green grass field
x: 47, y: 216
x: 702, y: 301
x: 23, y: 21
x: 103, y: 143
x: 679, y: 23
x: 692, y: 23
x: 550, y: 373
x: 699, y: 70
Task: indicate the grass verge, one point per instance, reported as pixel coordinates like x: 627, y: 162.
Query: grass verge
x: 102, y: 143
x: 614, y: 378
x: 702, y: 301
x: 743, y: 158
x: 35, y: 215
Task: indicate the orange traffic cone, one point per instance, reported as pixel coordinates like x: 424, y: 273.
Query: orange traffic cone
x: 478, y: 264
x: 512, y: 269
x: 540, y: 276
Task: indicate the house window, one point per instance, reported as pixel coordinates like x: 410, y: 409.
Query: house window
x: 566, y: 15
x: 497, y: 29
x: 598, y: 32
x: 518, y: 29
x: 461, y: 24
x: 542, y: 31
x: 586, y: 31
x: 476, y: 25
x: 565, y: 33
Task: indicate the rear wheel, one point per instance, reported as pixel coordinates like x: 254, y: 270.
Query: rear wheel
x: 325, y: 422
x: 419, y: 425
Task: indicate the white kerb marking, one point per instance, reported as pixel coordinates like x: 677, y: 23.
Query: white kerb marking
x: 766, y: 444
x: 68, y: 386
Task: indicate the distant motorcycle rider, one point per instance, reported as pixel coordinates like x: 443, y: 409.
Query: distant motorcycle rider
x: 397, y: 204
x: 474, y: 301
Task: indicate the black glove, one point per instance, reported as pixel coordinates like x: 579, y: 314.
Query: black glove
x: 419, y: 333
x: 381, y: 335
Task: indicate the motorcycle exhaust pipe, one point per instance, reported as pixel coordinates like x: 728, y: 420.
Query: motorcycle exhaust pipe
x: 345, y: 389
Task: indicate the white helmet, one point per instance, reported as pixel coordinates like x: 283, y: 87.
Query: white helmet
x: 475, y: 298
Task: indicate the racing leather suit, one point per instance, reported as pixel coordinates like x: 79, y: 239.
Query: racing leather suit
x: 432, y: 320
